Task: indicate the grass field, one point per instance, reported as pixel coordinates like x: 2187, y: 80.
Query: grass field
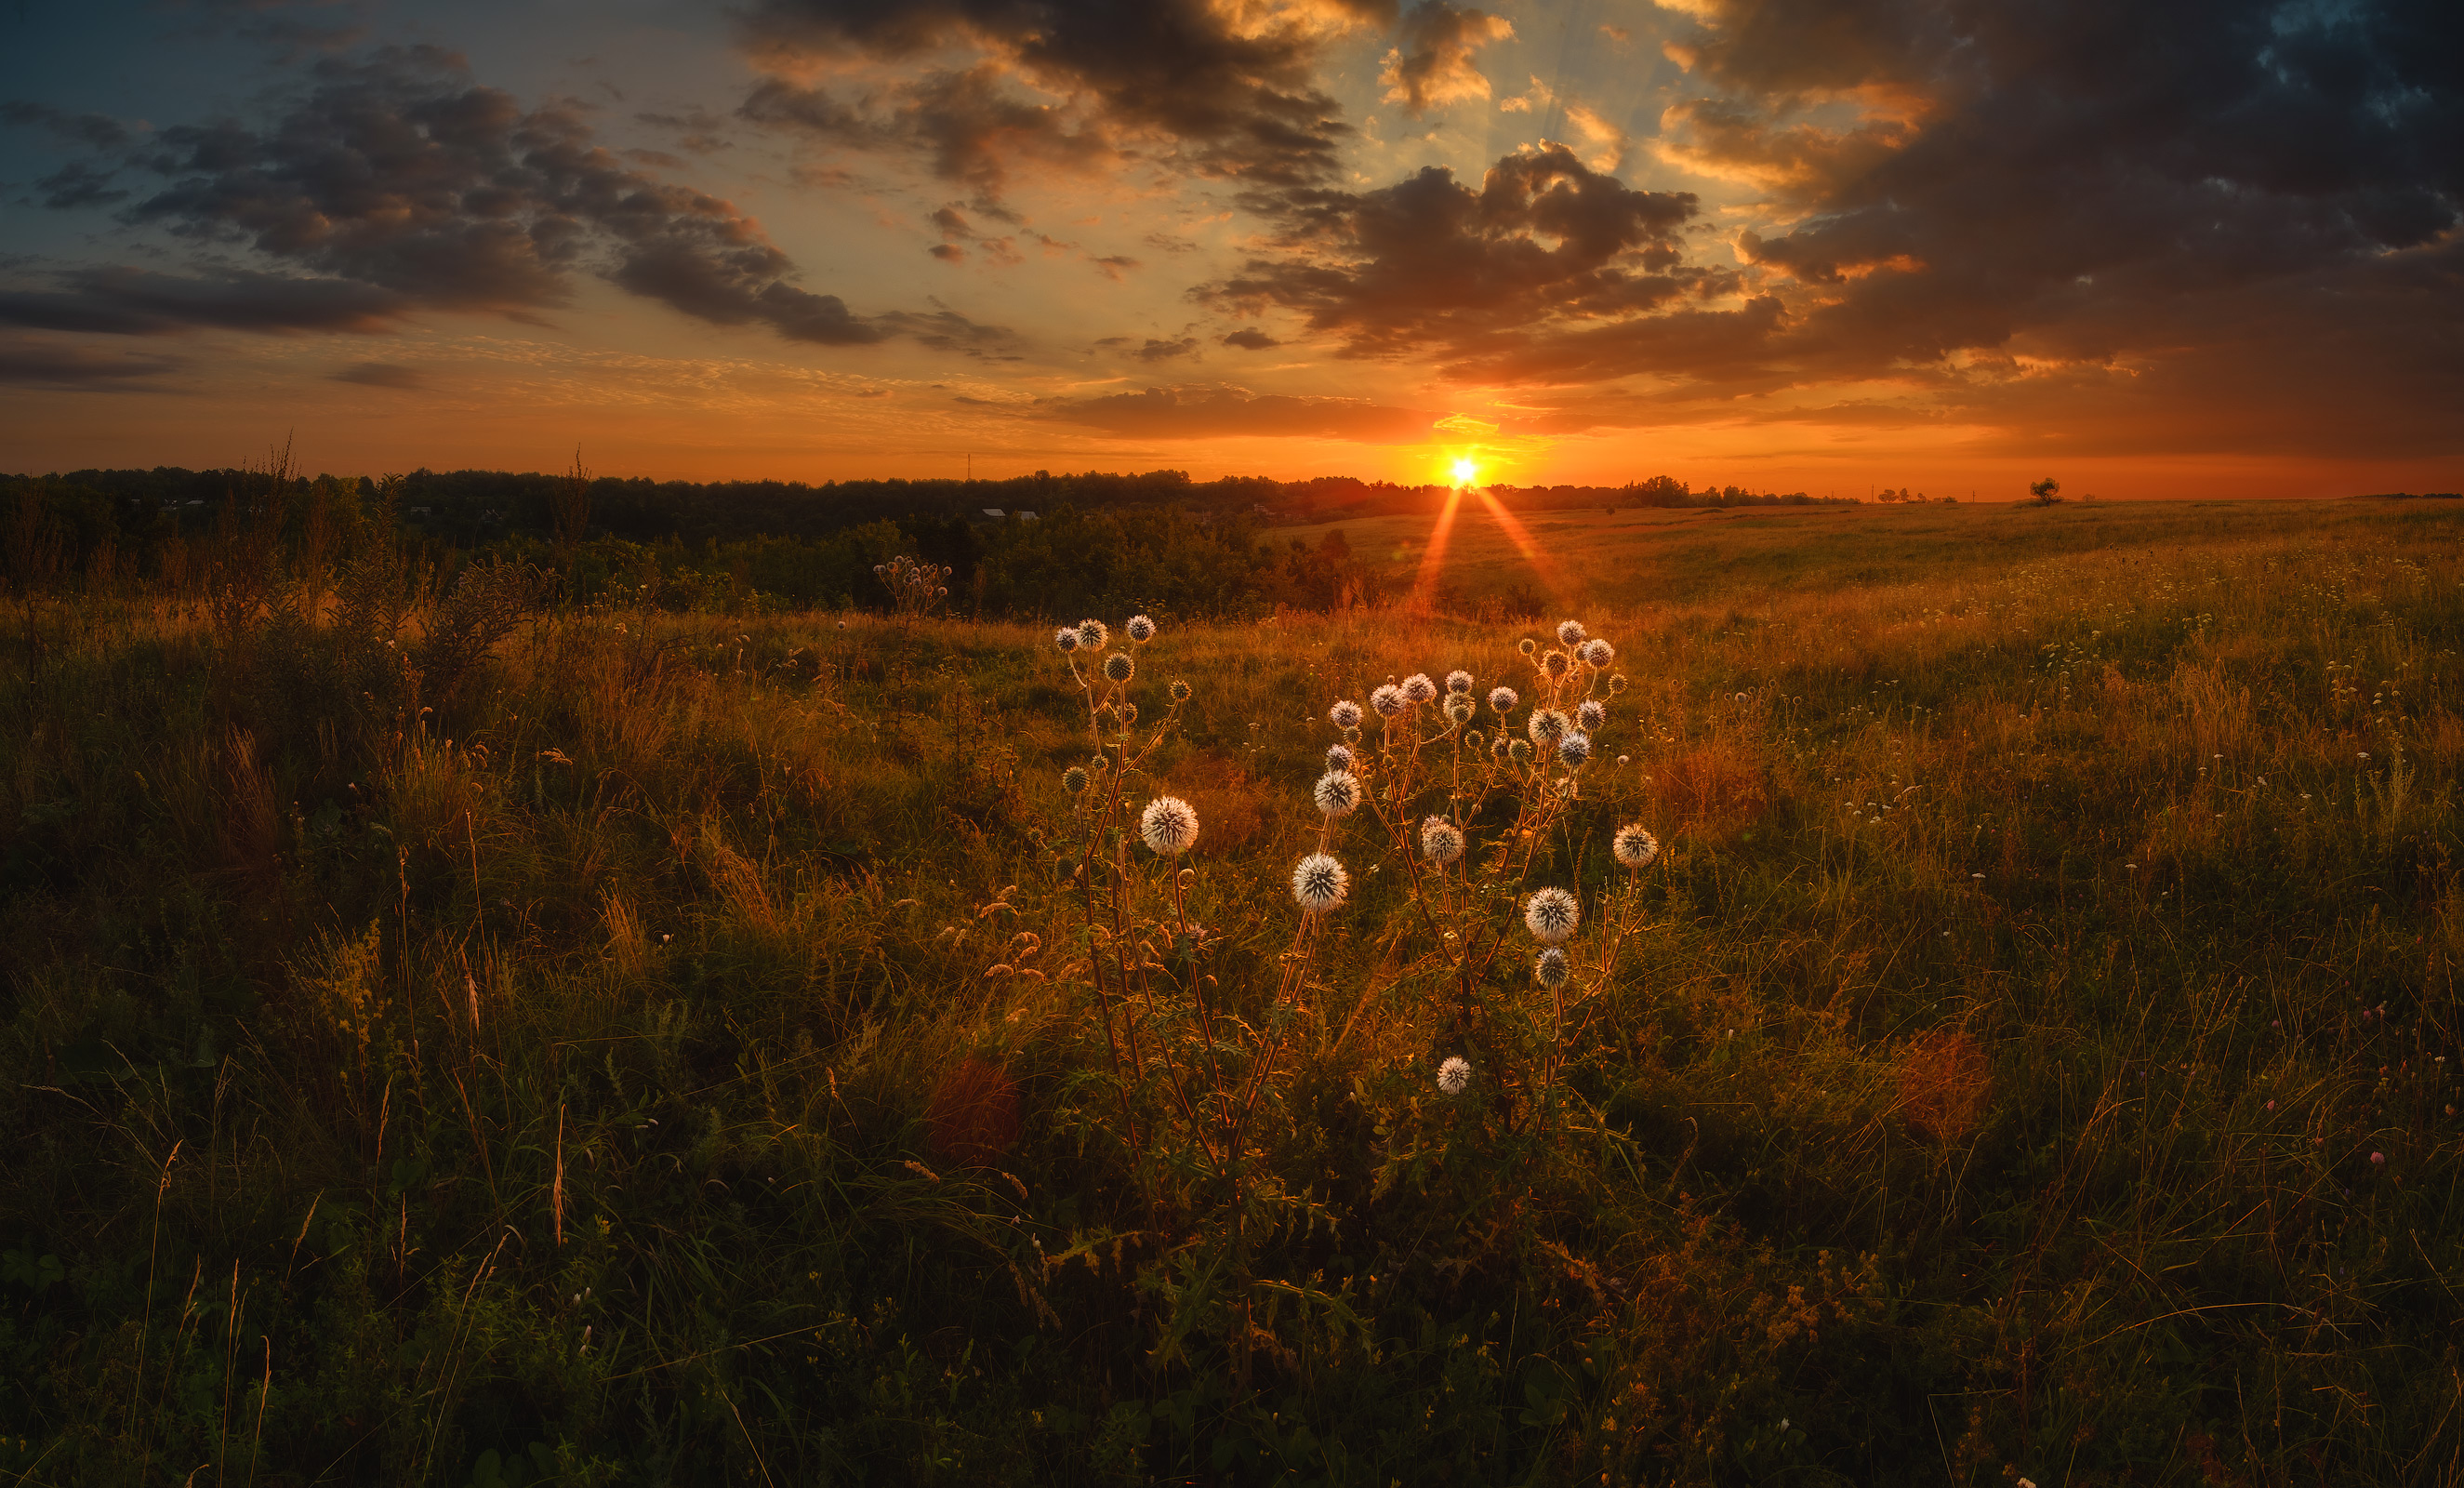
x: 465, y: 1042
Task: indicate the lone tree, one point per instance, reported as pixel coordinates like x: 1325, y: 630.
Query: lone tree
x: 2047, y: 491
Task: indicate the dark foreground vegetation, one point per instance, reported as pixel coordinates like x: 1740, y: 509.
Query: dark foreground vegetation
x: 464, y: 1022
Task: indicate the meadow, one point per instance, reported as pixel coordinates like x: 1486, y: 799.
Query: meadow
x: 456, y: 1033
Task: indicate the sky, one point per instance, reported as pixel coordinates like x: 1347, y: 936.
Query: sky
x: 2204, y: 248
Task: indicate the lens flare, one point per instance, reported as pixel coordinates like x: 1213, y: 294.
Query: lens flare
x: 1466, y: 472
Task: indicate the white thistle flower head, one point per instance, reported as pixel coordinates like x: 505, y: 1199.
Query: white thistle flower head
x: 1319, y: 883
x: 1596, y: 653
x: 1118, y: 667
x: 1344, y: 715
x: 1555, y: 663
x: 1575, y: 748
x: 1454, y: 1075
x: 1337, y: 792
x: 1169, y: 825
x: 1549, y: 969
x: 1634, y: 845
x: 1065, y: 637
x: 1590, y: 714
x: 1418, y: 688
x: 1387, y: 700
x: 1459, y: 682
x: 1547, y: 727
x: 1503, y: 698
x: 1092, y: 635
x: 1625, y: 759
x: 1441, y: 842
x: 1550, y: 915
x: 1338, y: 757
x: 1570, y: 631
x: 1140, y: 628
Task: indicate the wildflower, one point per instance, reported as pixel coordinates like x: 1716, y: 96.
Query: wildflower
x: 1547, y: 727
x: 1337, y: 792
x: 1458, y: 710
x: 1344, y: 715
x: 1526, y: 645
x: 1550, y: 915
x: 1319, y: 883
x: 1418, y: 688
x: 1140, y: 628
x: 1179, y: 690
x: 1549, y: 969
x: 1128, y: 712
x: 1596, y: 653
x: 1092, y: 635
x: 1575, y: 748
x: 1473, y: 737
x: 1459, y: 682
x: 1634, y: 845
x: 1065, y: 637
x: 1387, y: 700
x: 1441, y: 841
x: 1570, y: 631
x: 1590, y: 714
x: 1500, y: 747
x: 1625, y: 759
x: 1503, y: 698
x: 1338, y: 757
x: 1075, y: 779
x: 1555, y: 663
x: 1169, y: 825
x: 1099, y: 765
x: 1454, y: 1076
x: 1519, y: 751
x: 1616, y: 682
x: 1118, y: 667
x: 2377, y: 1158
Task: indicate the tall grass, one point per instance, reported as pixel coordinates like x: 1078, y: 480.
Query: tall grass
x: 451, y: 1038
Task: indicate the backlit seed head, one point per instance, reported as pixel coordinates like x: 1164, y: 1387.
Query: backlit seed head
x: 1140, y: 628
x: 1065, y: 637
x: 1454, y: 1076
x: 1387, y: 700
x: 1595, y: 652
x: 1344, y: 715
x: 1319, y: 883
x: 1337, y: 792
x: 1441, y: 842
x: 1519, y: 751
x: 1570, y: 631
x: 1075, y: 779
x: 1458, y: 710
x: 1616, y: 684
x: 1169, y: 825
x: 1474, y: 739
x: 1503, y: 698
x: 1633, y: 846
x: 1547, y: 725
x: 1527, y: 645
x: 1459, y: 682
x: 1501, y: 747
x: 1550, y: 915
x: 1590, y: 714
x: 1418, y: 688
x: 1092, y: 635
x: 1555, y: 663
x: 1179, y: 690
x: 1118, y: 667
x: 1099, y: 764
x: 1549, y: 969
x: 1575, y: 748
x: 1338, y: 757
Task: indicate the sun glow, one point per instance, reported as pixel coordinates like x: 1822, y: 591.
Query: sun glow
x: 1467, y: 471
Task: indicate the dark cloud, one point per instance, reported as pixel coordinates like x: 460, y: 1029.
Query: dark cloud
x: 89, y: 131
x: 1431, y: 65
x: 1203, y: 412
x: 381, y: 374
x: 1217, y: 89
x: 78, y: 184
x: 697, y: 129
x: 1251, y: 339
x: 126, y: 302
x: 45, y: 364
x: 1167, y: 351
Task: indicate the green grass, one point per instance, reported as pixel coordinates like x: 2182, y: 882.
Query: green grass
x: 572, y: 1082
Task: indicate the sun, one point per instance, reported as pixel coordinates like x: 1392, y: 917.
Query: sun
x: 1466, y: 472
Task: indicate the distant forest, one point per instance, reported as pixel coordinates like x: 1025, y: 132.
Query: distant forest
x: 1026, y: 547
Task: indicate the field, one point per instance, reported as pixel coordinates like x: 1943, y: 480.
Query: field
x: 476, y: 1039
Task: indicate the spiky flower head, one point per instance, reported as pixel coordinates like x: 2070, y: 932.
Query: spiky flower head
x: 1118, y: 667
x: 1092, y: 635
x: 1337, y: 792
x: 1344, y: 715
x: 1549, y: 969
x: 1503, y: 698
x: 1075, y: 779
x: 1616, y: 682
x: 1441, y: 842
x: 1065, y: 637
x: 1179, y: 690
x: 1519, y: 751
x: 1418, y: 688
x: 1099, y: 764
x: 1575, y: 748
x: 1128, y: 713
x: 1554, y: 662
x: 1633, y: 846
x: 1169, y: 825
x: 1140, y: 628
x: 1319, y: 883
x: 1527, y: 645
x: 1500, y: 747
x: 1590, y: 714
x: 1547, y: 725
x: 1459, y: 682
x: 1595, y: 652
x: 1550, y: 915
x: 1454, y: 1075
x: 1570, y: 631
x: 1387, y: 700
x: 1458, y: 710
x: 1338, y: 757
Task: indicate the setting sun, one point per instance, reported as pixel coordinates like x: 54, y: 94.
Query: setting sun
x: 1466, y: 471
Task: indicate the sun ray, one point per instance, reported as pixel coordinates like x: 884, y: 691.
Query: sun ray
x: 1517, y: 534
x: 1424, y: 587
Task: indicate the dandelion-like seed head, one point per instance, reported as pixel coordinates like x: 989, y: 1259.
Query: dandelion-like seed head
x: 1590, y: 714
x: 1065, y: 637
x: 1075, y: 779
x: 1441, y: 842
x: 1337, y: 792
x: 1550, y: 915
x: 1387, y: 700
x: 1319, y: 883
x: 1549, y: 969
x: 1633, y: 846
x: 1503, y: 698
x: 1555, y: 663
x: 1519, y: 751
x: 1527, y: 645
x: 1459, y: 682
x: 1458, y: 710
x: 1454, y: 1075
x: 1575, y: 748
x: 1570, y: 631
x: 1595, y: 652
x: 1344, y: 715
x: 1418, y: 688
x: 1616, y: 682
x: 1118, y: 667
x: 1179, y: 690
x: 1140, y: 628
x: 1547, y: 727
x: 1338, y: 757
x: 1169, y: 825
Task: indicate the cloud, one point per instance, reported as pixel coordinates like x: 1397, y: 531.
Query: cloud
x: 78, y: 184
x: 381, y: 374
x: 46, y: 363
x: 1195, y: 413
x: 1251, y: 339
x: 123, y: 302
x: 1433, y: 65
x: 87, y: 131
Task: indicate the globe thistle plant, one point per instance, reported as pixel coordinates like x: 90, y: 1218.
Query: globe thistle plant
x: 1387, y: 700
x: 1179, y: 690
x: 1596, y: 653
x: 1067, y: 638
x: 1441, y: 842
x: 1634, y: 845
x: 1319, y: 883
x: 1519, y: 751
x: 1545, y: 726
x: 1140, y: 628
x: 1454, y: 1075
x: 1458, y: 710
x: 1552, y: 915
x: 1590, y: 714
x: 1169, y: 825
x: 1555, y: 665
x: 1418, y: 688
x: 1075, y: 779
x: 1459, y: 682
x: 1548, y: 967
x: 1575, y: 748
x: 1503, y: 698
x: 1337, y: 793
x: 1118, y: 667
x: 1570, y: 633
x: 1338, y: 757
x: 1092, y: 635
x: 1527, y: 645
x: 1345, y: 714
